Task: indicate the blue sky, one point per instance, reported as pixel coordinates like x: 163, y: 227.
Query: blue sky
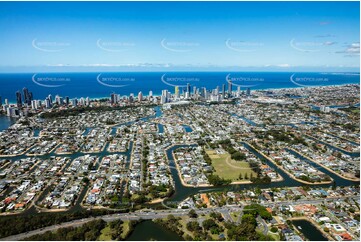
x: 77, y: 36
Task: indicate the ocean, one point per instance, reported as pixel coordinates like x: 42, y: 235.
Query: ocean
x: 96, y: 85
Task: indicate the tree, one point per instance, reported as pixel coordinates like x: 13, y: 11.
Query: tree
x: 274, y: 229
x: 192, y: 214
x: 240, y: 176
x: 86, y: 180
x: 193, y: 226
x: 208, y: 224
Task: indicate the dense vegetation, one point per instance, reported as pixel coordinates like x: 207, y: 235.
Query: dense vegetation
x: 256, y: 209
x: 171, y: 223
x: 215, y: 180
x: 10, y: 225
x: 247, y: 229
x: 117, y: 229
x: 235, y: 155
x: 88, y: 231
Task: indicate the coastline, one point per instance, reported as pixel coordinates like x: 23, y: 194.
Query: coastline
x: 158, y: 94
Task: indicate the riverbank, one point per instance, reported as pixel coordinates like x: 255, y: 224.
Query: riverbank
x: 325, y: 167
x: 287, y: 172
x: 181, y: 178
x: 336, y: 147
x: 326, y: 235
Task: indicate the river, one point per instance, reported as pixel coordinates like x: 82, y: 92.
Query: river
x: 182, y: 192
x: 6, y: 122
x: 309, y: 230
x: 148, y: 230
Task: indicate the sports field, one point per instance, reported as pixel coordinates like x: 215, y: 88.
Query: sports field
x: 227, y: 168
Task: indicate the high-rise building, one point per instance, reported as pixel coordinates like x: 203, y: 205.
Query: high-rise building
x: 140, y: 96
x: 224, y: 90
x: 50, y: 99
x: 67, y: 101
x: 1, y: 102
x: 112, y: 98
x: 82, y: 101
x: 164, y: 97
x: 58, y: 100
x: 238, y: 91
x: 176, y: 91
x: 74, y: 102
x: 230, y: 88
x: 47, y: 103
x: 27, y: 96
x: 19, y: 102
x: 189, y: 89
x: 34, y: 104
x: 87, y: 101
x: 6, y: 102
x: 150, y: 93
x: 248, y: 91
x: 131, y: 97
x: 12, y: 112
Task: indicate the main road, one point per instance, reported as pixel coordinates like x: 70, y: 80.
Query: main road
x: 154, y: 214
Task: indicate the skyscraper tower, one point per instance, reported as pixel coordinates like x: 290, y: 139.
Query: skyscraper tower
x: 47, y: 103
x: 189, y: 89
x: 112, y: 98
x: 19, y: 102
x: 140, y: 96
x: 230, y: 88
x: 238, y: 91
x: 50, y: 99
x: 176, y: 91
x: 27, y: 97
x: 224, y: 91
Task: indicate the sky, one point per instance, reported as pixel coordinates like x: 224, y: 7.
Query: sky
x: 260, y: 36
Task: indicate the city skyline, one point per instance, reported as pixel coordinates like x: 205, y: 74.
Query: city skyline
x: 180, y: 121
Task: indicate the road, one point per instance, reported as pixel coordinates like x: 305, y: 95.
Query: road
x: 124, y: 216
x: 154, y: 214
x: 263, y: 223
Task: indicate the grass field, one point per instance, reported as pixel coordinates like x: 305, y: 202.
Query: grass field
x: 235, y: 215
x: 105, y: 234
x: 227, y: 168
x: 126, y: 229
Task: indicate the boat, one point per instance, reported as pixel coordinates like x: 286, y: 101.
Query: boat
x: 299, y: 227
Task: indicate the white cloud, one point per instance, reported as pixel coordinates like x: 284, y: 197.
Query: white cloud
x: 352, y: 49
